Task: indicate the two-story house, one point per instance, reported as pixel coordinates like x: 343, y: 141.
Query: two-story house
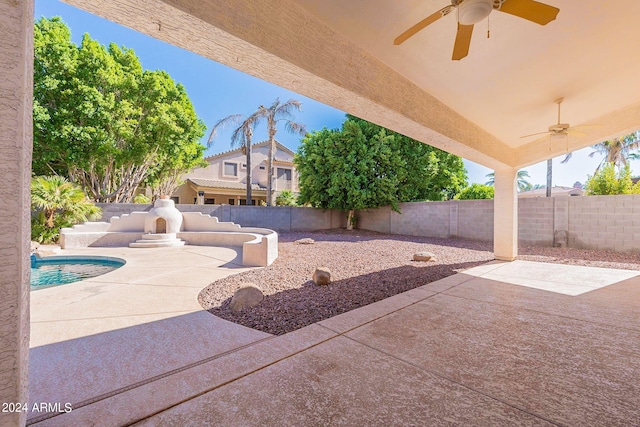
x: 224, y: 180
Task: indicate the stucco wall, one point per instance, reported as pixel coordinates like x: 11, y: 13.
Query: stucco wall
x: 16, y: 94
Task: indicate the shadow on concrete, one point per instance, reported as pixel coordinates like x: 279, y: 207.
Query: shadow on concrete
x: 88, y: 369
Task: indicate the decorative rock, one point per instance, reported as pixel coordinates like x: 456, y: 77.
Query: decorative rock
x: 423, y: 256
x: 322, y: 276
x: 305, y: 241
x: 246, y: 296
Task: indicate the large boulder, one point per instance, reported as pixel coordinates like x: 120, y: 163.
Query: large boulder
x: 424, y: 256
x: 322, y: 276
x: 246, y: 296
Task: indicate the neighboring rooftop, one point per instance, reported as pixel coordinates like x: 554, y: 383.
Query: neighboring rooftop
x: 214, y: 183
x: 555, y: 191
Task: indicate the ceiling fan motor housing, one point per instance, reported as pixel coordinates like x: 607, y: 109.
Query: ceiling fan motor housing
x: 473, y: 11
x: 559, y: 127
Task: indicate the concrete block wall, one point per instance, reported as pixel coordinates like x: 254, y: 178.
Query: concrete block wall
x: 306, y: 219
x: 280, y: 218
x: 421, y: 219
x: 593, y: 222
x: 119, y: 209
x: 536, y: 220
x: 475, y: 219
x: 375, y: 219
x: 605, y: 222
x: 277, y: 217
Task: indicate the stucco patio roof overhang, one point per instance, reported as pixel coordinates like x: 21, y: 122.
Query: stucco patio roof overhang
x: 342, y: 54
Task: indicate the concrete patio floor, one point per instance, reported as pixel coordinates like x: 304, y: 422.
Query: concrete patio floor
x: 519, y: 343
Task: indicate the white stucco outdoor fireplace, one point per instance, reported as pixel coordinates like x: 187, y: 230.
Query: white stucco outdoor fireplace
x: 165, y: 226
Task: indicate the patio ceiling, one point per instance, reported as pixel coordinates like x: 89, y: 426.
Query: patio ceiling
x: 342, y: 53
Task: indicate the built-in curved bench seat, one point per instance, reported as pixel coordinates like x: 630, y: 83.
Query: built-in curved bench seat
x: 259, y: 245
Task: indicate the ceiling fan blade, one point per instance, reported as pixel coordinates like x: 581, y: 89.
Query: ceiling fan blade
x: 580, y: 128
x: 422, y: 24
x: 463, y: 41
x: 533, y: 134
x: 530, y: 10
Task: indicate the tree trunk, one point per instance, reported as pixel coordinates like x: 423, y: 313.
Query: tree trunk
x: 549, y: 173
x: 249, y: 173
x: 350, y: 220
x: 272, y: 153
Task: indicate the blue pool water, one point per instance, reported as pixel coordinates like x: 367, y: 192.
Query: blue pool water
x: 60, y: 270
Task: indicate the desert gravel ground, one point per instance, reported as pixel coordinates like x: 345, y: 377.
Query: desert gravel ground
x: 365, y: 267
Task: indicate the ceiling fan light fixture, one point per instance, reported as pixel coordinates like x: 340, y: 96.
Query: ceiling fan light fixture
x: 559, y: 135
x: 471, y: 12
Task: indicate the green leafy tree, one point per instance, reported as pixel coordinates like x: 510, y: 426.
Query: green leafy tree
x: 102, y: 121
x: 141, y: 199
x: 608, y: 181
x: 279, y: 112
x: 476, y: 191
x: 61, y: 204
x: 366, y: 166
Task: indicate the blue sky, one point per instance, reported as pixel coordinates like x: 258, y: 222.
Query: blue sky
x: 218, y: 91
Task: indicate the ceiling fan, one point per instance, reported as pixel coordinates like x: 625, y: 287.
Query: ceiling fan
x: 471, y: 12
x: 561, y: 128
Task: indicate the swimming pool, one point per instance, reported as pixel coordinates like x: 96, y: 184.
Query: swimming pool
x: 60, y: 270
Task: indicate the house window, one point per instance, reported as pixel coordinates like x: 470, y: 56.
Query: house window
x: 230, y: 169
x: 176, y: 199
x: 284, y: 174
x: 209, y: 201
x: 232, y: 201
x: 244, y: 202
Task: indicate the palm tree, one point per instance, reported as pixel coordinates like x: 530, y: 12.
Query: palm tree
x: 56, y: 195
x: 241, y: 135
x: 275, y: 113
x: 523, y: 184
x: 616, y: 151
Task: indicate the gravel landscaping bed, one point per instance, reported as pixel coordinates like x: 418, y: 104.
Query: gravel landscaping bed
x: 365, y: 267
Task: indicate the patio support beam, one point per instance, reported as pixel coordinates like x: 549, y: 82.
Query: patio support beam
x: 16, y: 94
x: 505, y: 214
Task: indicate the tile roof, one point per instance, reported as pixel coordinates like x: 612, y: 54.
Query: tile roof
x: 556, y: 190
x: 213, y: 183
x: 257, y: 144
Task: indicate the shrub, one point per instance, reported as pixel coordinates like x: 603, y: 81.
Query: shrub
x: 286, y: 198
x: 607, y: 181
x: 141, y: 199
x: 59, y: 203
x: 476, y: 191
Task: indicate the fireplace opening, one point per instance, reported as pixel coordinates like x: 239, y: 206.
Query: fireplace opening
x: 161, y: 225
